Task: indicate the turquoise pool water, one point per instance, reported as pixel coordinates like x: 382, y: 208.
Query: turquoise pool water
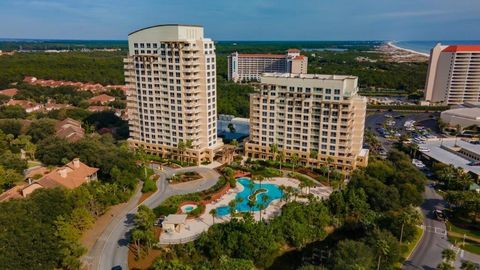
x: 271, y: 190
x: 188, y: 209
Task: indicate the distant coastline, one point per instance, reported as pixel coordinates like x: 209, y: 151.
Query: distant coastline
x: 391, y: 44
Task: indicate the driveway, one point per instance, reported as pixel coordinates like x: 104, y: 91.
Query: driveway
x: 428, y: 253
x: 111, y: 248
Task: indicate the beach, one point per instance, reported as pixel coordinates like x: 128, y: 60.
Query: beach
x: 396, y: 54
x: 391, y: 44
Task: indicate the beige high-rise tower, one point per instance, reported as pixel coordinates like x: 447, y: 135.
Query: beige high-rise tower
x: 318, y: 117
x: 453, y: 74
x: 171, y: 99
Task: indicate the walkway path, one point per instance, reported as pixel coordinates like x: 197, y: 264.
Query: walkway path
x: 111, y: 249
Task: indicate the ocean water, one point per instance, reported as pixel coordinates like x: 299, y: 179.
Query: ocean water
x: 425, y: 46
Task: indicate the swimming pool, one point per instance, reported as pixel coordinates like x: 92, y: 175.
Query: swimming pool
x: 188, y: 208
x: 272, y: 191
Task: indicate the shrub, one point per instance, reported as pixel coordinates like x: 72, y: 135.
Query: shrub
x: 149, y: 186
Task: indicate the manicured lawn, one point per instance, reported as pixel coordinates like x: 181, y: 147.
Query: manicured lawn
x: 470, y: 246
x: 463, y: 230
x: 33, y: 163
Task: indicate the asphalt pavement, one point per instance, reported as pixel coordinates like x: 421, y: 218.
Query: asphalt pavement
x: 428, y: 253
x: 111, y: 249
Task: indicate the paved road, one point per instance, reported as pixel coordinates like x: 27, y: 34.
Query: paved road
x: 112, y: 249
x: 427, y: 254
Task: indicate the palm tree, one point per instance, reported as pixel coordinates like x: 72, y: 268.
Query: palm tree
x: 213, y: 212
x: 313, y: 154
x: 383, y: 249
x: 409, y: 216
x: 188, y: 144
x: 302, y: 185
x: 274, y: 150
x: 262, y: 207
x: 329, y: 163
x: 142, y: 156
x: 281, y: 158
x: 232, y: 207
x: 251, y: 203
x: 465, y: 180
x: 234, y: 143
x: 181, y: 146
x: 468, y: 265
x: 449, y: 256
x: 294, y: 159
x: 137, y: 237
x: 260, y: 179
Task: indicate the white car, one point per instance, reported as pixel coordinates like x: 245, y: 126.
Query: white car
x: 423, y: 149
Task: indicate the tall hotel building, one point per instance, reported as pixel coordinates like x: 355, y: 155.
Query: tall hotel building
x: 171, y: 97
x: 249, y: 67
x: 302, y: 113
x: 453, y: 74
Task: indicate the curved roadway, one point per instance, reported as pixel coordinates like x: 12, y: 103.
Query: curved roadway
x: 111, y: 249
x: 428, y: 253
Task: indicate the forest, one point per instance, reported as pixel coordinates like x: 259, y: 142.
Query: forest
x: 107, y: 67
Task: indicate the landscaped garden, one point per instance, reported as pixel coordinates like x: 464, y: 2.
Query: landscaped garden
x: 184, y: 177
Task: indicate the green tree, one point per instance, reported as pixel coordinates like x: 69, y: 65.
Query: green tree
x: 70, y: 249
x: 41, y: 129
x: 227, y: 263
x: 213, y: 213
x: 352, y: 255
x: 449, y: 256
x: 409, y: 216
x: 161, y: 264
x: 468, y: 265
x: 294, y: 159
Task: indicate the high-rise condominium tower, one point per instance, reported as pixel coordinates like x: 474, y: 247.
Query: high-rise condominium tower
x: 170, y: 73
x: 453, y: 74
x: 320, y: 118
x: 249, y: 66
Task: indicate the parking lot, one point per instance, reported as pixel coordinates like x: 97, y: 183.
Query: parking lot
x: 389, y: 126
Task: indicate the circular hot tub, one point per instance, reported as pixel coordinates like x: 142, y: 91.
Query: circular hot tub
x: 187, y: 208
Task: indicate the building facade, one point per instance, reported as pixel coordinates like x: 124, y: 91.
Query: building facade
x: 171, y: 98
x: 249, y: 67
x: 320, y: 118
x: 453, y: 74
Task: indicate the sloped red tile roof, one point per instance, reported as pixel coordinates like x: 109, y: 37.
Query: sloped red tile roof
x: 68, y: 176
x: 462, y: 48
x: 101, y: 98
x: 9, y: 92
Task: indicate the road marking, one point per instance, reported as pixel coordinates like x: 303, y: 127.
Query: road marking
x: 435, y: 230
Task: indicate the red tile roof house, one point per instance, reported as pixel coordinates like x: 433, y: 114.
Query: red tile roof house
x: 70, y: 130
x: 28, y: 106
x: 9, y: 92
x: 102, y: 99
x: 70, y: 176
x: 98, y: 108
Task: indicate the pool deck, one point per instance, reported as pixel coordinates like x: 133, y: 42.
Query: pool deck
x: 194, y: 227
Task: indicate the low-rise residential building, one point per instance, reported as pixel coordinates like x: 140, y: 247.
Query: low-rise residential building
x: 249, y: 67
x: 101, y: 99
x: 27, y: 105
x: 70, y: 176
x: 70, y: 130
x: 9, y: 92
x: 320, y: 118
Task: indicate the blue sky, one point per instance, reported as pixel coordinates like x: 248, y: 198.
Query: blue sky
x: 246, y: 19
